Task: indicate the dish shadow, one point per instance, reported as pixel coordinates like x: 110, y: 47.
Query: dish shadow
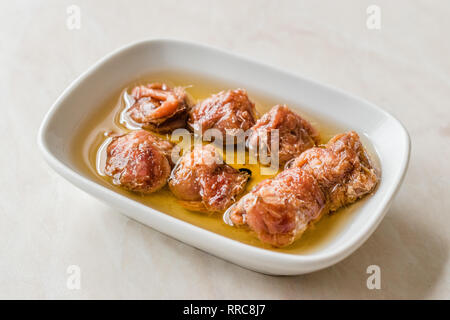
x: 410, y: 257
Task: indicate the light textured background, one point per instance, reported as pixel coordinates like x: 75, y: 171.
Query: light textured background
x: 47, y: 224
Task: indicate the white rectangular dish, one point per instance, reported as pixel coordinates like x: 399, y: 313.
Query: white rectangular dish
x: 388, y: 137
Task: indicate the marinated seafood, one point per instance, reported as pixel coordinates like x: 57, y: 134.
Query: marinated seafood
x: 295, y: 134
x: 316, y: 180
x: 320, y: 180
x: 203, y: 182
x: 342, y: 168
x: 138, y: 161
x: 227, y: 111
x: 279, y: 210
x: 159, y: 108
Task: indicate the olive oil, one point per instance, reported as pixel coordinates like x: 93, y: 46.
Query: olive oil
x: 109, y: 120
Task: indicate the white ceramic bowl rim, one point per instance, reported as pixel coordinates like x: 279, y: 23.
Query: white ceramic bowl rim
x: 322, y: 260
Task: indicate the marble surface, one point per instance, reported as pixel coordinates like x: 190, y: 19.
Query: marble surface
x: 46, y: 224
